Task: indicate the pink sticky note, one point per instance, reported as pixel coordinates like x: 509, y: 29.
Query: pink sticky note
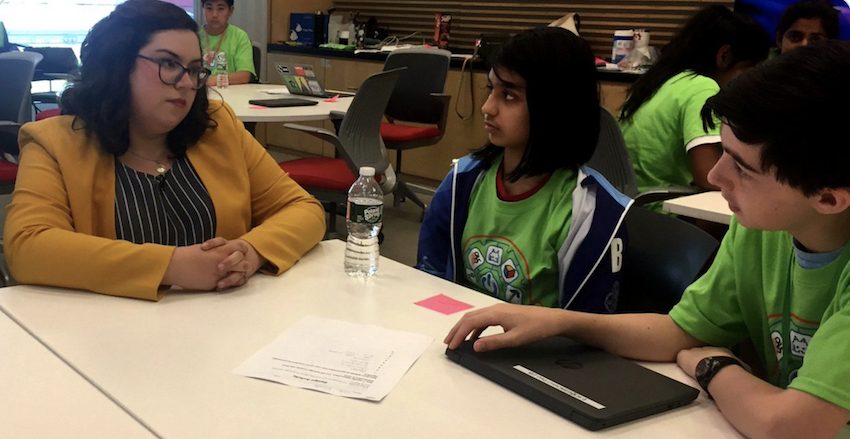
x: 333, y: 99
x: 257, y: 107
x: 443, y: 304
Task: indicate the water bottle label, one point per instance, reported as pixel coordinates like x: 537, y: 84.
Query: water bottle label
x: 365, y: 213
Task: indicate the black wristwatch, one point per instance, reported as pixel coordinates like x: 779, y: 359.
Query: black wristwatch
x: 708, y: 367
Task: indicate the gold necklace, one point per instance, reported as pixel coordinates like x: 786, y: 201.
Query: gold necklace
x: 160, y: 167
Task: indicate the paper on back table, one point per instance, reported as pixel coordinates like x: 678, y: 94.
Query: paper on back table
x: 337, y: 357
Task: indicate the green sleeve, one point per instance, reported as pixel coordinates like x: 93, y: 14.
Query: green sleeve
x: 243, y: 61
x: 709, y: 309
x: 825, y: 372
x: 692, y: 128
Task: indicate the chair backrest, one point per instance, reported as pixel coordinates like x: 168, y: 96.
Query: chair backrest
x: 426, y: 73
x: 258, y: 59
x: 16, y: 69
x: 360, y: 131
x: 4, y: 39
x: 663, y: 256
x: 611, y: 159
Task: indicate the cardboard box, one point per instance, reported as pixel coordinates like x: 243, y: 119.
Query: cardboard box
x: 302, y: 29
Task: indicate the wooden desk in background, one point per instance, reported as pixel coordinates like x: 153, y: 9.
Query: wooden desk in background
x: 237, y: 96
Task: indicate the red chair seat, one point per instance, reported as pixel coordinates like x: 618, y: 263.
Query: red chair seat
x: 320, y: 172
x: 48, y: 113
x: 8, y: 171
x: 395, y: 133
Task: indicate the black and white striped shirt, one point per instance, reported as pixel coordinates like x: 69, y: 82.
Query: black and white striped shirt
x: 171, y: 209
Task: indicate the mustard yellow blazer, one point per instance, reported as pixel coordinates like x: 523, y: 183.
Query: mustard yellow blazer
x: 60, y: 225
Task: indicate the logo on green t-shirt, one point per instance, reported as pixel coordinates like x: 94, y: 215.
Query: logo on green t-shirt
x: 496, y: 266
x: 790, y: 358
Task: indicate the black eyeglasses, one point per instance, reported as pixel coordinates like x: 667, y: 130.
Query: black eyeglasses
x: 171, y: 72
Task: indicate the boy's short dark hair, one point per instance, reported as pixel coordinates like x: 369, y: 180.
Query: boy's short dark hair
x: 822, y: 10
x: 229, y: 2
x: 797, y: 108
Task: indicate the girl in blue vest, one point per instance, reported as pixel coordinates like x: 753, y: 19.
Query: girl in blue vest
x: 522, y: 219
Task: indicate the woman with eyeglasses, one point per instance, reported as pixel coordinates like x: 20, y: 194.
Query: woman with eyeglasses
x: 143, y: 184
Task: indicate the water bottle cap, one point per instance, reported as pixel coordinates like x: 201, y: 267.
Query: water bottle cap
x: 367, y: 171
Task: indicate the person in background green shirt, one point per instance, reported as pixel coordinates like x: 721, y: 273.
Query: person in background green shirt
x: 665, y: 137
x: 226, y: 48
x: 781, y: 279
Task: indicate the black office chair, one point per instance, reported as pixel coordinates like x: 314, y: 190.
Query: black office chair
x: 258, y: 61
x: 418, y: 98
x: 610, y: 157
x: 612, y: 160
x: 358, y: 143
x: 16, y: 71
x: 663, y: 257
x: 58, y: 63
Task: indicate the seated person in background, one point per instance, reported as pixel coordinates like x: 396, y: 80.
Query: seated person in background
x: 781, y: 278
x: 665, y: 137
x: 521, y: 218
x: 143, y: 183
x: 806, y: 22
x: 227, y: 48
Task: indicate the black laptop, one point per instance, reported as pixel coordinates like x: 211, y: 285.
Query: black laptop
x: 585, y: 385
x: 282, y: 102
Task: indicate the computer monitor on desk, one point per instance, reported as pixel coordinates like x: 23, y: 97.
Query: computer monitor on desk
x: 56, y: 61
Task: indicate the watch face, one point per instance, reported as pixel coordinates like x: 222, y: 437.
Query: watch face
x: 702, y: 367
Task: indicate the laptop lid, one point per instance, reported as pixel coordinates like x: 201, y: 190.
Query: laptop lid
x: 300, y: 79
x: 585, y: 385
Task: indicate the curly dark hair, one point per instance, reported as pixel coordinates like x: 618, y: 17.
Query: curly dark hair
x: 557, y: 66
x: 100, y: 98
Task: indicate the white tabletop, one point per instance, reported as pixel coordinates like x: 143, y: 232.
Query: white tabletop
x: 171, y: 363
x: 42, y: 397
x: 237, y: 96
x: 708, y: 206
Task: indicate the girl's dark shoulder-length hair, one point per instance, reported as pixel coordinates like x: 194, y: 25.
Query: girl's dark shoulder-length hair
x: 695, y: 48
x: 563, y: 100
x: 100, y: 98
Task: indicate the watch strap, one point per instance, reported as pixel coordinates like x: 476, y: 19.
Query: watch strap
x: 710, y: 366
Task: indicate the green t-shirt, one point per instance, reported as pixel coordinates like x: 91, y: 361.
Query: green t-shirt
x: 662, y: 131
x: 797, y: 318
x: 510, y: 249
x: 234, y: 54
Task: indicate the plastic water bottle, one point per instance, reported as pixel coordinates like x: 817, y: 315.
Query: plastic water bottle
x: 222, y: 80
x: 363, y: 218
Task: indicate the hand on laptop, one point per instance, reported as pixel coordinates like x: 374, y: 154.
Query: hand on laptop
x: 522, y: 325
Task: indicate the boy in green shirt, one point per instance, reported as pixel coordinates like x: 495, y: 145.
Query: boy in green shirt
x: 781, y: 278
x: 226, y: 48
